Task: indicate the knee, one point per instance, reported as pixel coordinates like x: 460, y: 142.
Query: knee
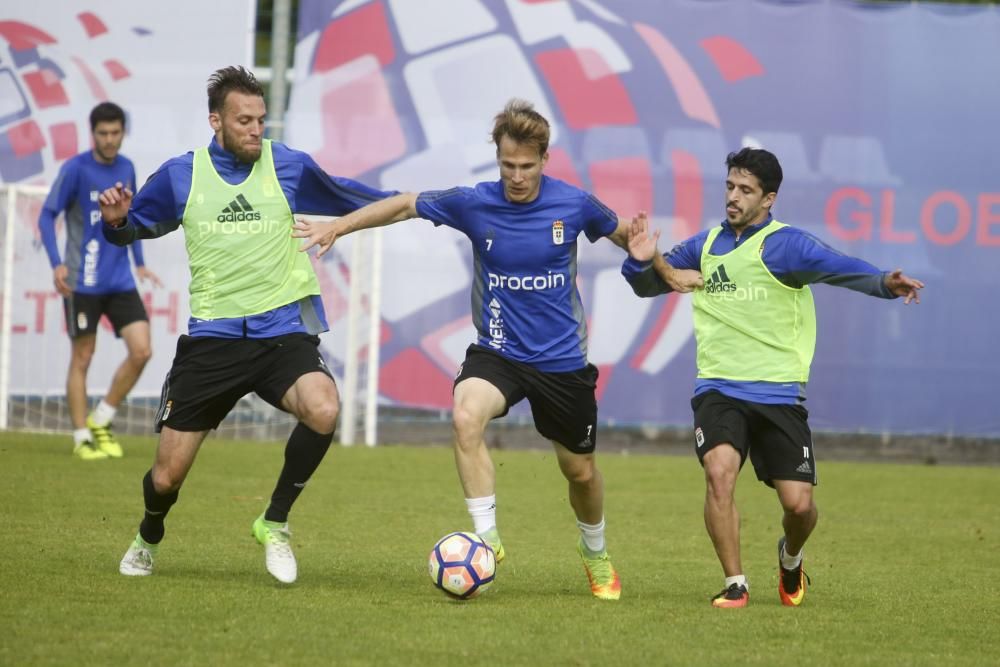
x: 720, y: 479
x: 580, y: 472
x: 467, y: 425
x: 322, y: 417
x: 140, y: 356
x: 801, y: 505
x: 166, y: 480
x: 81, y: 359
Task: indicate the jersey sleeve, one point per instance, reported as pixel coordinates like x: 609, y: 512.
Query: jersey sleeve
x: 60, y: 195
x: 799, y: 258
x: 310, y: 190
x: 598, y: 219
x: 158, y: 207
x: 445, y: 207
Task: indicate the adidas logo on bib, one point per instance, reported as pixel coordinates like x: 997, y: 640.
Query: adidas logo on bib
x: 238, y: 210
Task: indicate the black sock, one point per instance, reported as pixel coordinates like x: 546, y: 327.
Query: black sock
x: 157, y: 506
x: 303, y: 454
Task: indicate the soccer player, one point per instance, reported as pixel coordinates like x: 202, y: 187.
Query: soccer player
x: 755, y: 327
x: 532, y: 332
x: 95, y: 279
x: 255, y: 304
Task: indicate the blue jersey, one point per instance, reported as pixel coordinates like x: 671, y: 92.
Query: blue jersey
x: 158, y: 208
x: 794, y: 257
x: 94, y: 265
x: 525, y: 303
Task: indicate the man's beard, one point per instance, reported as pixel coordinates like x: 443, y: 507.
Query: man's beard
x: 108, y: 154
x: 247, y: 156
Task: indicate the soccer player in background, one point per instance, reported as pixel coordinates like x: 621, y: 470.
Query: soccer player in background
x: 532, y: 332
x: 256, y: 310
x: 755, y: 327
x: 95, y: 279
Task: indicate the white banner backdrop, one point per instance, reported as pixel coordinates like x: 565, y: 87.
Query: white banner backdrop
x: 57, y: 60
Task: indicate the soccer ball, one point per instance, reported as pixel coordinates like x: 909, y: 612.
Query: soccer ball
x: 462, y: 565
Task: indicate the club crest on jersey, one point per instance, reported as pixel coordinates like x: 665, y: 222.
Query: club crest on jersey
x: 557, y: 232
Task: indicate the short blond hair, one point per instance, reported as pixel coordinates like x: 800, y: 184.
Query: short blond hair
x: 522, y: 124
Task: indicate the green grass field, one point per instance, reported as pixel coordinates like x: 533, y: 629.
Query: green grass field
x: 904, y: 565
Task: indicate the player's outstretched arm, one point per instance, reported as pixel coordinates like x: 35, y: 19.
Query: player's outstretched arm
x: 642, y: 248
x: 904, y: 286
x: 115, y: 202
x: 324, y: 233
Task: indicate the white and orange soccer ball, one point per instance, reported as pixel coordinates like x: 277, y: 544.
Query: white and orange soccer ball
x: 462, y: 565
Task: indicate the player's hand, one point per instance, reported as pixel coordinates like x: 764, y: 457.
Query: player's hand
x: 59, y: 275
x: 904, y: 286
x: 145, y: 275
x: 684, y: 280
x: 316, y: 233
x: 115, y: 203
x: 642, y: 246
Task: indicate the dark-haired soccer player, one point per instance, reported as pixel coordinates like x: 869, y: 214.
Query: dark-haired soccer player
x: 255, y: 303
x: 532, y: 333
x: 755, y: 327
x: 95, y: 279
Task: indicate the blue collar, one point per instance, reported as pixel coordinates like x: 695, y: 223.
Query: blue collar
x: 224, y: 160
x: 750, y: 230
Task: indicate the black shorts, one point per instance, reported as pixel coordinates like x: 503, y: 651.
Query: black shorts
x: 209, y: 375
x: 563, y: 405
x: 83, y: 311
x: 776, y: 437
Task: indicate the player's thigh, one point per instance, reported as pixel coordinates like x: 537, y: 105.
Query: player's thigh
x: 208, y: 376
x: 487, y: 384
x: 564, y: 407
x: 477, y: 401
x: 794, y: 496
x: 136, y: 336
x: 123, y: 309
x: 314, y: 401
x: 82, y: 349
x: 782, y: 444
x: 292, y: 375
x: 719, y: 420
x: 83, y: 314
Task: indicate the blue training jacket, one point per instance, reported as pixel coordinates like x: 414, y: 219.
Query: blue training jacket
x: 95, y: 266
x: 794, y: 257
x: 158, y: 208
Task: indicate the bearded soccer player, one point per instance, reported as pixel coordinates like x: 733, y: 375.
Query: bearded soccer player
x: 532, y: 332
x: 755, y: 327
x: 255, y: 304
x: 95, y: 280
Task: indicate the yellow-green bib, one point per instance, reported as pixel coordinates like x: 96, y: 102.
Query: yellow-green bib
x: 243, y: 258
x: 748, y: 325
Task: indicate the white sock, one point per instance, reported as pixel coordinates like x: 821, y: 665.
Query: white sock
x: 739, y: 580
x: 790, y: 562
x: 593, y: 536
x: 483, y: 512
x: 103, y: 413
x: 80, y: 435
